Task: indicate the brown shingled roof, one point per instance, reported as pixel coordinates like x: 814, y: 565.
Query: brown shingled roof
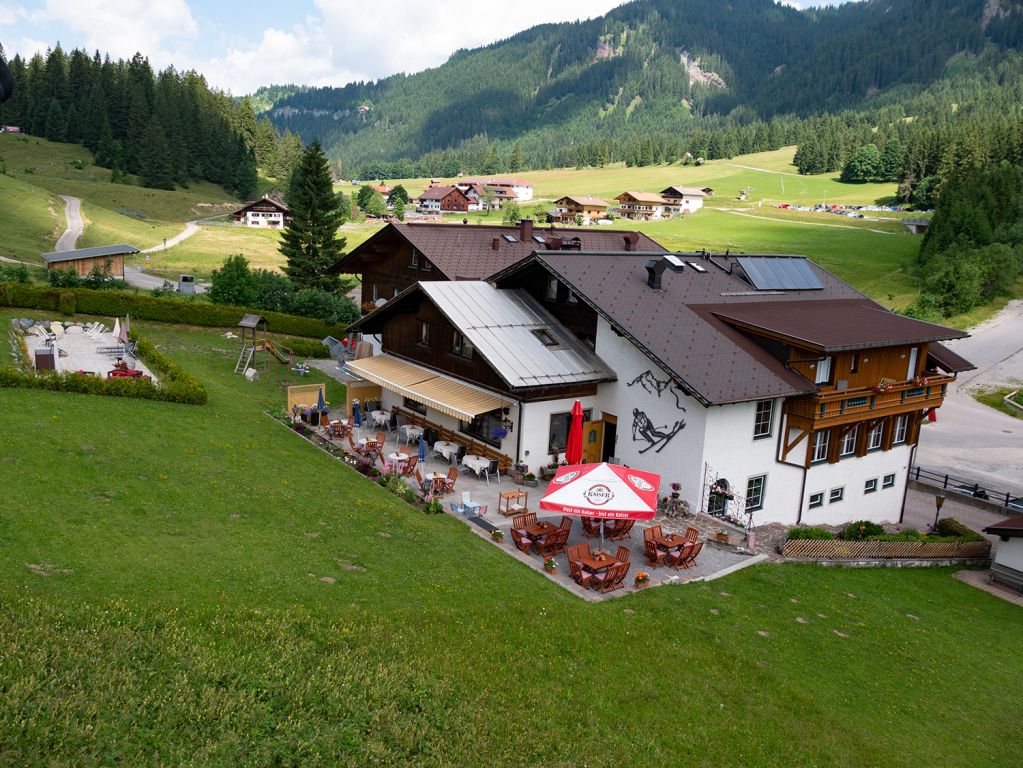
x: 1012, y: 526
x: 834, y: 326
x: 947, y: 360
x: 462, y: 251
x: 677, y: 327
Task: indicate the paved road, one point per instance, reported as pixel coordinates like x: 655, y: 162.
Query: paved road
x: 190, y: 229
x: 75, y: 225
x: 970, y: 440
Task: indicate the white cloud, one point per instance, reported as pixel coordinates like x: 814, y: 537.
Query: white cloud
x: 123, y: 27
x: 11, y: 13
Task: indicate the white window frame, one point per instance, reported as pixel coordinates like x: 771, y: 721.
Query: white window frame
x: 759, y: 432
x: 900, y: 429
x: 821, y: 445
x: 848, y: 445
x: 751, y: 505
x: 816, y: 500
x: 552, y: 288
x: 888, y: 481
x: 823, y: 372
x: 870, y: 486
x: 878, y: 432
x: 836, y: 495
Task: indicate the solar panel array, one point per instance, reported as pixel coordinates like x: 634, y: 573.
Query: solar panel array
x: 779, y: 273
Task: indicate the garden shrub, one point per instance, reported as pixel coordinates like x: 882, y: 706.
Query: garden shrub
x: 165, y: 310
x: 66, y: 303
x: 809, y: 533
x: 861, y: 529
x: 949, y: 526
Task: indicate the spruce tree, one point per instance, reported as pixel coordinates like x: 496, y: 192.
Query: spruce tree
x: 310, y: 241
x: 156, y: 166
x: 56, y: 125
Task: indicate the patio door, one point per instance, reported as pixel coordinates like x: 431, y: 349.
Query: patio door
x: 593, y: 441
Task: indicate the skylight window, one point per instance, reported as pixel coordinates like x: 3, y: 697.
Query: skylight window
x: 510, y: 238
x: 546, y: 337
x: 695, y: 267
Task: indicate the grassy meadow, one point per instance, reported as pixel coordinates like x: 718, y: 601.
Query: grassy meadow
x: 162, y: 601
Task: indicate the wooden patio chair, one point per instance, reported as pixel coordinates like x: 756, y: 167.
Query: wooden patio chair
x: 381, y: 438
x: 691, y: 534
x: 623, y: 554
x: 358, y: 449
x: 575, y: 565
x: 566, y: 523
x: 591, y: 526
x: 691, y: 554
x: 679, y: 558
x: 653, y: 532
x: 554, y: 542
x: 611, y: 579
x: 621, y: 531
x: 410, y: 466
x: 423, y: 485
x: 449, y: 481
x: 654, y: 554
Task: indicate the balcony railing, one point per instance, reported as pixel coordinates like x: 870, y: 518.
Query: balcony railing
x: 883, y: 398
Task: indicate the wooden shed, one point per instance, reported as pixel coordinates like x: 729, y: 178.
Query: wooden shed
x: 85, y: 259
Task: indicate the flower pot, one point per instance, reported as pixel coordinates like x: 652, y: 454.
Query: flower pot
x: 674, y: 494
x: 722, y: 537
x: 641, y: 584
x: 551, y: 570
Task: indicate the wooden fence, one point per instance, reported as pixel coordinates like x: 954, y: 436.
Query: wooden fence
x: 833, y: 549
x: 504, y: 462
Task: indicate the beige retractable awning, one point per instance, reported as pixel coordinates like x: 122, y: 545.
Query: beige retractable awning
x: 431, y: 389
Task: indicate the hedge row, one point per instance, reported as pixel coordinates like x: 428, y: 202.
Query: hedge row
x: 176, y: 384
x: 69, y: 301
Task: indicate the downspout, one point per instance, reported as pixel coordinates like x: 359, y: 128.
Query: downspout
x: 802, y: 493
x: 518, y: 439
x: 782, y: 429
x: 905, y: 486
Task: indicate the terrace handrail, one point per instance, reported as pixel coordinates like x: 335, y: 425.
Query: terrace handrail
x: 947, y: 481
x: 504, y: 462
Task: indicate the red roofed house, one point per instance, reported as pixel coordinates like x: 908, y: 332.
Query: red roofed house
x: 443, y: 199
x: 265, y: 212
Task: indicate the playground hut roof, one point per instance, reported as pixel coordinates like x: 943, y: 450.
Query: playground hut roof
x: 96, y: 252
x: 251, y: 321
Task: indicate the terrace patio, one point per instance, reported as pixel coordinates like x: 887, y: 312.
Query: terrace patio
x: 715, y: 559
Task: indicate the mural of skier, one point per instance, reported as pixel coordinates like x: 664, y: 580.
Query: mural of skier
x: 656, y: 437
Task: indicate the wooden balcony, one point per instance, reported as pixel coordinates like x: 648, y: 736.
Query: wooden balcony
x: 836, y: 407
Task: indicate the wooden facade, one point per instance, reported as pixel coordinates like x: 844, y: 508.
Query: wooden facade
x: 85, y: 266
x: 555, y: 296
x: 396, y: 266
x: 886, y: 389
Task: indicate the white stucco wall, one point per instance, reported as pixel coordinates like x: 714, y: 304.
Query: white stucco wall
x: 883, y: 505
x: 681, y: 458
x: 1010, y: 553
x: 536, y: 428
x: 690, y: 204
x: 732, y: 452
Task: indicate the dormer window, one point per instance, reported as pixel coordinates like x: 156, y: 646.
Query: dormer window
x: 823, y: 375
x: 426, y: 266
x: 414, y: 261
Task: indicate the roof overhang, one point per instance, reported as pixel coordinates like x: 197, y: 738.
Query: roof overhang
x: 434, y: 390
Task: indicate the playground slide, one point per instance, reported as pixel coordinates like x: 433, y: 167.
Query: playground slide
x: 278, y: 351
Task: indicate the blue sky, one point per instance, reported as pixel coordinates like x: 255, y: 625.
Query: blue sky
x: 242, y: 45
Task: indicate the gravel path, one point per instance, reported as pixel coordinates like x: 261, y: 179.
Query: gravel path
x: 75, y: 225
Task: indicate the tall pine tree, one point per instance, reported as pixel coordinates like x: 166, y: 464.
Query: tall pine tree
x: 310, y: 241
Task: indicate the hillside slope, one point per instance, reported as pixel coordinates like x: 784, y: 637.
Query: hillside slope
x: 653, y: 65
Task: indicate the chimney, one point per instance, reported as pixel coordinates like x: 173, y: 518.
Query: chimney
x: 631, y: 239
x: 655, y: 269
x: 553, y: 243
x: 496, y: 243
x: 525, y: 229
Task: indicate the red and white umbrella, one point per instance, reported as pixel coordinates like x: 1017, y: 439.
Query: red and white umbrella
x: 574, y: 442
x: 606, y: 491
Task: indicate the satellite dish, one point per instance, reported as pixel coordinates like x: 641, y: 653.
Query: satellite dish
x: 380, y: 302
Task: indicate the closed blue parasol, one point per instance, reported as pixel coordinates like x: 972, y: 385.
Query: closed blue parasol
x: 357, y: 414
x: 320, y: 406
x: 422, y: 449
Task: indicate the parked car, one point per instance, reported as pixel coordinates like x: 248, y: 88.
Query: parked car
x: 971, y: 490
x: 1016, y: 503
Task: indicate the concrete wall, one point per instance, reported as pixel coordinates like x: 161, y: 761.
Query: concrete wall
x: 1010, y: 553
x: 536, y: 427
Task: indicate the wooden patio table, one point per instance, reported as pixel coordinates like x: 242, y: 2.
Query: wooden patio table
x: 542, y: 528
x: 592, y: 564
x: 670, y: 541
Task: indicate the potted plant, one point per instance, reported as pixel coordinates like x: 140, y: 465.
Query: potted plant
x: 498, y: 433
x: 434, y: 507
x: 642, y: 579
x: 722, y: 536
x: 497, y: 534
x: 676, y: 488
x: 550, y: 565
x: 529, y: 479
x: 548, y: 471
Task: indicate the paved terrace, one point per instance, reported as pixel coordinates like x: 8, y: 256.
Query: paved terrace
x: 79, y: 350
x: 714, y: 560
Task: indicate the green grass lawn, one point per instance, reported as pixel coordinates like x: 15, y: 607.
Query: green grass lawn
x: 161, y: 602
x: 29, y: 224
x: 206, y: 250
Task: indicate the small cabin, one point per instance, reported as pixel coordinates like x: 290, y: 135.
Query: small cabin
x: 109, y: 259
